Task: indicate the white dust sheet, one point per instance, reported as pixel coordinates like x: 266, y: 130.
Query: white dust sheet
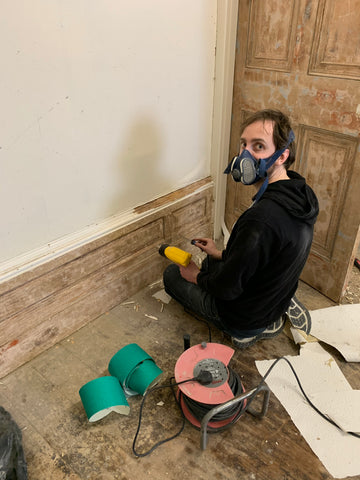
x: 340, y: 327
x: 347, y: 418
x: 320, y: 377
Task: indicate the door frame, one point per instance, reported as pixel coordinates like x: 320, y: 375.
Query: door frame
x: 226, y: 31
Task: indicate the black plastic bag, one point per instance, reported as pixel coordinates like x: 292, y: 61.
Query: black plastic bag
x: 12, y: 458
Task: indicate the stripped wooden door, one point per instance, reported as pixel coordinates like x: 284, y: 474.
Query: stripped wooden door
x: 303, y: 57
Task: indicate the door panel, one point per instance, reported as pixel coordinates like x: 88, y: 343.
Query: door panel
x: 303, y: 57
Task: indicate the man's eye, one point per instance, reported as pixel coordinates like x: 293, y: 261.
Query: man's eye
x: 259, y: 146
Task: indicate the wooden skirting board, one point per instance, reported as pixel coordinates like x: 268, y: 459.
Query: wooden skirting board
x: 38, y: 308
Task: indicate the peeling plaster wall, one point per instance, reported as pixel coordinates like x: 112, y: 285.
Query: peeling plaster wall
x: 105, y: 105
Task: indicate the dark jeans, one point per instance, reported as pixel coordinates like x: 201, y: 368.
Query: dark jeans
x: 201, y: 303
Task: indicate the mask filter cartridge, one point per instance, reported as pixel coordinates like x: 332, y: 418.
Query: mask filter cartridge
x: 248, y: 172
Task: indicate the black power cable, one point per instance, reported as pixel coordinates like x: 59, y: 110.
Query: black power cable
x: 198, y: 410
x: 204, y: 378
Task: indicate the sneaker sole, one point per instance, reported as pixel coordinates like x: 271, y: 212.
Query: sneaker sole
x: 296, y: 313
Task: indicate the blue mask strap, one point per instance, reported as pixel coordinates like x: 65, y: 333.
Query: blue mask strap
x: 266, y: 163
x: 261, y: 190
x: 271, y: 160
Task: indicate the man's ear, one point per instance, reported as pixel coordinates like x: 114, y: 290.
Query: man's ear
x: 283, y: 157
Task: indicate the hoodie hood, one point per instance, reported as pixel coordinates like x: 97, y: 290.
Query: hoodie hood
x: 295, y: 196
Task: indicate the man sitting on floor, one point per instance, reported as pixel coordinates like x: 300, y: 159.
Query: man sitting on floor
x: 248, y: 289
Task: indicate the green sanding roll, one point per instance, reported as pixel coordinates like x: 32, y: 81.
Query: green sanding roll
x: 145, y: 375
x: 134, y: 368
x: 102, y: 396
x: 126, y: 360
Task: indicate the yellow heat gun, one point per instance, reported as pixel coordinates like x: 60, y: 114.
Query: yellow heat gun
x: 175, y: 254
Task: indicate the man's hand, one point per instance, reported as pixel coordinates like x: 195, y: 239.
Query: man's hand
x: 190, y: 272
x: 208, y: 246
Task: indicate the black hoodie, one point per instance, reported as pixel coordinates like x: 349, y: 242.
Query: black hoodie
x: 254, y: 282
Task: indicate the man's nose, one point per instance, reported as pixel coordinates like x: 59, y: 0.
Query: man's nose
x: 252, y: 153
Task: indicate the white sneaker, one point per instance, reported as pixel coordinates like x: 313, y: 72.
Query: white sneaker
x: 270, y: 332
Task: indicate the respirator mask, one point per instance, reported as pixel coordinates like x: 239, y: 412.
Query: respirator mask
x: 245, y: 168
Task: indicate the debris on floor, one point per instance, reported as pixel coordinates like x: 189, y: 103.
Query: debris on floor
x: 352, y: 293
x: 162, y: 296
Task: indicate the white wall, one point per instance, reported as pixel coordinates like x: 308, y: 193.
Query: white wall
x: 105, y: 105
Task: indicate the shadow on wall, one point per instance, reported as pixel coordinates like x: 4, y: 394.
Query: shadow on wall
x: 138, y: 167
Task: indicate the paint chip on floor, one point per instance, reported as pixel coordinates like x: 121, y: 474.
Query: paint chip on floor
x: 162, y: 296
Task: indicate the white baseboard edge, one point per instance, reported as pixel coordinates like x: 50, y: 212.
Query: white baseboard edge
x: 34, y: 258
